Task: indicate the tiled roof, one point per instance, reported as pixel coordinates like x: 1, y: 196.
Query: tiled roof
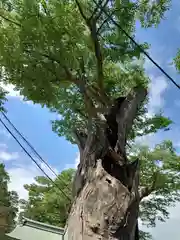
x: 33, y: 230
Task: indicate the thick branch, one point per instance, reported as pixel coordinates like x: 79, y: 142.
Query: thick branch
x: 80, y: 139
x: 98, y: 53
x: 81, y: 11
x: 126, y: 115
x: 91, y: 23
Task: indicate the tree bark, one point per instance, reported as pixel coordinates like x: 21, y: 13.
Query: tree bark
x: 106, y: 185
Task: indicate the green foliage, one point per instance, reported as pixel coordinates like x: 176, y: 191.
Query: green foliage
x: 159, y: 173
x: 151, y: 12
x: 2, y: 99
x: 143, y: 124
x: 44, y: 44
x: 177, y: 60
x: 8, y: 199
x: 46, y: 202
x: 144, y: 235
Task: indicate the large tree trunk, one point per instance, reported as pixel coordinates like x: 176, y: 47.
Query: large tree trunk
x: 106, y: 205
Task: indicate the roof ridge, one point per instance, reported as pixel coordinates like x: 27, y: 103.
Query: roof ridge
x: 43, y: 226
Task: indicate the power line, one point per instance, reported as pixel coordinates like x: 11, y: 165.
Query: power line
x: 141, y: 49
x: 33, y: 159
x: 34, y: 150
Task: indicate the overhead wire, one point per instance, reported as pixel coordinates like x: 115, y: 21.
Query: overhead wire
x: 34, y: 150
x: 141, y: 49
x: 37, y: 164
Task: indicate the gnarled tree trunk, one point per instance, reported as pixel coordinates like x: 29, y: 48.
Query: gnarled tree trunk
x: 106, y: 205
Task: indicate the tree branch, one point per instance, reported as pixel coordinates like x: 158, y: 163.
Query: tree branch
x: 101, y: 8
x: 98, y: 54
x: 91, y: 23
x: 96, y: 9
x: 126, y: 114
x: 105, y: 21
x: 52, y: 58
x: 146, y: 191
x: 81, y: 11
x: 92, y: 112
x: 9, y: 20
x: 80, y: 139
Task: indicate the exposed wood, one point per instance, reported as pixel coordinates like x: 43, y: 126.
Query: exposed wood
x: 106, y: 185
x: 126, y: 115
x: 104, y: 209
x: 80, y: 138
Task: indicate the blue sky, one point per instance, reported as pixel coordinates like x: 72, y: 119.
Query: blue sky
x: 35, y: 122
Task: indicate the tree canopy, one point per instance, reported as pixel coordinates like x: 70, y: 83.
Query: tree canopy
x: 70, y: 57
x: 46, y: 203
x: 8, y: 198
x: 159, y: 184
x: 159, y: 179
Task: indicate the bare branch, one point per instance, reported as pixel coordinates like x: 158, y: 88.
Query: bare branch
x: 105, y: 21
x: 82, y: 66
x: 80, y: 139
x: 91, y: 23
x: 96, y: 9
x: 102, y: 101
x: 81, y: 11
x: 92, y: 112
x: 126, y: 115
x: 101, y: 9
x: 98, y: 53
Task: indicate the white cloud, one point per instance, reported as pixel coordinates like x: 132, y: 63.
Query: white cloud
x: 171, y: 66
x: 157, y: 89
x: 77, y: 160
x: 5, y: 133
x: 75, y: 164
x: 21, y: 174
x: 177, y: 144
x: 146, y: 140
x: 3, y: 146
x: 148, y: 65
x: 6, y: 156
x: 158, y: 86
x: 11, y: 92
x: 10, y: 88
x: 165, y: 230
x: 51, y: 173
